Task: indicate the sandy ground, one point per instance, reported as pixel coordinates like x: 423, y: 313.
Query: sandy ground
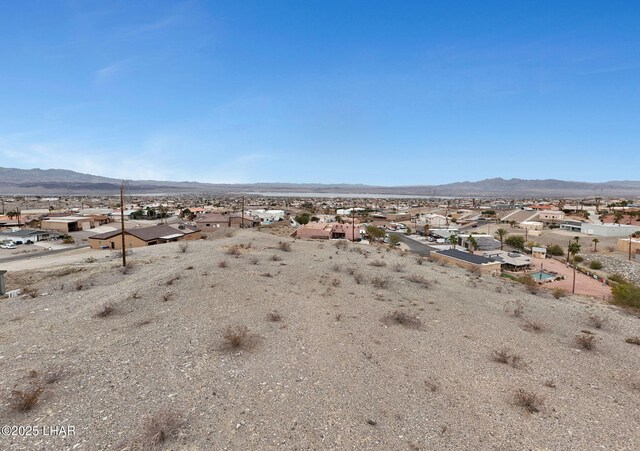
x: 330, y: 374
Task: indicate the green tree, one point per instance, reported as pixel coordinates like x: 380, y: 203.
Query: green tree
x: 595, y: 244
x: 375, y: 233
x: 515, y: 241
x: 574, y: 249
x: 453, y: 240
x: 394, y: 241
x: 501, y: 234
x: 473, y: 244
x: 303, y: 218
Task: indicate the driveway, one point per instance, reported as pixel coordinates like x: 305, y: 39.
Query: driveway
x: 414, y: 246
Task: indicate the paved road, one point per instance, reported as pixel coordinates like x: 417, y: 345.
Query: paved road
x: 415, y: 246
x: 42, y: 253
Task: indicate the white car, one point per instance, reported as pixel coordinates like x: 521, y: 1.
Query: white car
x: 8, y: 245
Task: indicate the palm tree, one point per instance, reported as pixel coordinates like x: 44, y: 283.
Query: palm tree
x: 453, y: 240
x: 595, y: 244
x: 574, y: 249
x: 473, y: 244
x: 501, y: 234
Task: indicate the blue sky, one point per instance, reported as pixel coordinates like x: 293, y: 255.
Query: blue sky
x: 377, y: 92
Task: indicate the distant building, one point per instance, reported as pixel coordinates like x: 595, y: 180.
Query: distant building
x: 66, y: 224
x: 145, y: 236
x: 609, y: 230
x: 24, y: 235
x: 318, y: 230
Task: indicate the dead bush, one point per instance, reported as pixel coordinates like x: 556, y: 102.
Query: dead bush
x: 505, y: 356
x: 234, y: 251
x: 254, y: 260
x: 359, y: 278
x: 515, y: 308
x: 342, y: 244
x: 159, y: 428
x: 335, y: 283
x: 378, y: 263
x: 420, y: 260
x: 529, y: 284
x: 420, y: 280
x: 172, y: 280
x: 236, y: 338
x: 183, y: 246
x: 274, y: 316
x: 30, y: 291
x: 105, y: 311
x: 167, y: 296
x: 533, y: 326
x: 351, y: 270
x: 284, y: 246
x: 381, y: 282
x: 78, y: 286
x: 399, y: 267
x: 223, y: 264
x: 550, y: 383
x: 530, y: 401
x: 275, y: 258
x: 586, y: 341
x: 596, y: 321
x: 336, y: 267
x: 402, y: 318
x: 23, y: 400
x: 432, y: 385
x: 558, y: 292
x: 633, y: 340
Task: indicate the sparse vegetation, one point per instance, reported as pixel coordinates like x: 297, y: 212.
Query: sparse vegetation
x: 505, y: 356
x: 596, y: 321
x: 274, y: 316
x: 633, y: 340
x: 530, y: 401
x: 359, y: 278
x: 183, y: 247
x: 167, y: 296
x: 558, y: 292
x: 223, y: 264
x: 532, y: 326
x: 236, y: 338
x: 380, y: 282
x: 284, y: 246
x: 515, y: 308
x: 105, y: 311
x: 254, y: 260
x: 586, y: 341
x: 158, y: 428
x: 402, y: 318
x: 25, y: 399
x: 275, y: 258
x: 399, y: 267
x: 595, y: 265
x: 233, y: 251
x: 626, y: 294
x: 378, y: 263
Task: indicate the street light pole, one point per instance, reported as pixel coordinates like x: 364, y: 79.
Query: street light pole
x: 124, y: 249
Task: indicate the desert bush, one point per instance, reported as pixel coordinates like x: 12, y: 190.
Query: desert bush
x: 615, y: 277
x: 106, y: 310
x: 359, y: 278
x: 626, y: 294
x: 550, y: 383
x: 380, y: 282
x: 284, y: 246
x: 351, y: 270
x: 274, y: 316
x: 530, y: 401
x: 30, y: 291
x: 90, y: 260
x: 586, y: 341
x: 596, y: 321
x: 399, y: 267
x: 183, y: 246
x: 78, y: 286
x: 505, y: 356
x: 530, y: 285
x: 633, y: 340
x: 172, y: 280
x: 23, y: 400
x: 578, y: 259
x: 335, y: 283
x: 420, y: 280
x: 420, y: 260
x: 555, y: 250
x: 515, y: 308
x: 254, y: 260
x: 223, y: 264
x: 532, y: 326
x: 402, y: 318
x: 275, y: 258
x: 432, y: 385
x: 158, y: 428
x: 342, y: 244
x: 336, y: 267
x: 378, y: 263
x: 237, y: 338
x: 595, y: 265
x: 167, y: 296
x: 558, y: 292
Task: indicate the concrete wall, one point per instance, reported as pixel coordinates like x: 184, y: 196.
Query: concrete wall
x: 487, y: 268
x: 622, y: 245
x: 610, y: 230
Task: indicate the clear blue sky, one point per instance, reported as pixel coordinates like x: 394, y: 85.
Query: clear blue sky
x: 377, y: 92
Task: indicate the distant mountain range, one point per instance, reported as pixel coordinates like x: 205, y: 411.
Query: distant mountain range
x: 64, y: 182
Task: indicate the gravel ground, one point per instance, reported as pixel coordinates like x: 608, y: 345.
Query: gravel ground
x: 628, y: 269
x: 330, y: 374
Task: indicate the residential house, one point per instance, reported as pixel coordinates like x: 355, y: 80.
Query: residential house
x: 145, y: 236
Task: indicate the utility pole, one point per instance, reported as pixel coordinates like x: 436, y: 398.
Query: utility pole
x: 124, y: 249
x: 353, y: 224
x: 630, y: 236
x: 242, y: 220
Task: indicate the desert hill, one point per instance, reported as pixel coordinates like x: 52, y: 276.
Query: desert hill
x: 243, y: 343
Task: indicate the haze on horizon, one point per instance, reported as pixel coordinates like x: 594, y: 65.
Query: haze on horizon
x: 379, y: 93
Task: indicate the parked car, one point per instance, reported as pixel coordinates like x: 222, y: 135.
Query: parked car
x: 8, y: 245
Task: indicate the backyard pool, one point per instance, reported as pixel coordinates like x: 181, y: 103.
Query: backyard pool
x: 541, y: 276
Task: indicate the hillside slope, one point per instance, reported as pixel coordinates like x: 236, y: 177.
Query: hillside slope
x: 335, y: 372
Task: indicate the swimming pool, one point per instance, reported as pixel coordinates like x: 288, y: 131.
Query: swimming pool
x: 540, y: 276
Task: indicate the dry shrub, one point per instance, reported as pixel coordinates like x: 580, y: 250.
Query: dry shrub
x: 236, y: 338
x: 52, y: 375
x: 420, y: 260
x: 596, y: 321
x: 533, y: 326
x: 633, y: 340
x: 274, y: 316
x: 530, y: 401
x: 183, y: 246
x: 172, y: 280
x: 359, y: 278
x: 336, y: 267
x: 254, y: 260
x: 529, y: 284
x: 514, y: 308
x: 381, y: 282
x: 505, y: 356
x: 167, y: 296
x: 420, y: 280
x: 275, y: 258
x: 229, y: 233
x: 402, y: 318
x: 267, y: 274
x: 475, y: 270
x: 378, y: 263
x: 158, y: 428
x: 284, y: 246
x: 25, y: 399
x: 351, y: 270
x: 223, y: 264
x: 105, y: 311
x: 558, y: 292
x: 586, y: 341
x: 432, y: 385
x: 335, y: 283
x: 342, y: 244
x: 30, y: 291
x: 78, y: 286
x: 233, y: 250
x: 399, y: 267
x: 550, y: 383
